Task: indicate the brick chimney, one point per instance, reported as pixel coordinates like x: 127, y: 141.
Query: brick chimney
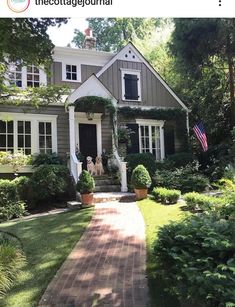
x: 90, y: 41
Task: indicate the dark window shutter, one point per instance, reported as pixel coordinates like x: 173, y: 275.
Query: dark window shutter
x: 169, y: 139
x: 131, y: 87
x: 135, y: 146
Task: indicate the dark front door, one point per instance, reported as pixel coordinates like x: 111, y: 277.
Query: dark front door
x: 88, y: 141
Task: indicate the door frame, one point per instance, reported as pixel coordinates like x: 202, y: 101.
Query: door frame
x: 81, y: 118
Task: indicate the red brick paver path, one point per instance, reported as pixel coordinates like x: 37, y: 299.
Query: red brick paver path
x: 107, y: 266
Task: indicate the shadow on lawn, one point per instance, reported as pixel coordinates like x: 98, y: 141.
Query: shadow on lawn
x: 47, y: 241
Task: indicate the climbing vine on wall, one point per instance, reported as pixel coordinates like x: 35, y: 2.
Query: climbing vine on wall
x: 153, y: 113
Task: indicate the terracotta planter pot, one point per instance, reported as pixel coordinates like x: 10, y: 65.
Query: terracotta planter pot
x: 87, y: 199
x: 141, y: 193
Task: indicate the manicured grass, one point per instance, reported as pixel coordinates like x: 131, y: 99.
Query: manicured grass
x: 47, y: 242
x: 155, y: 216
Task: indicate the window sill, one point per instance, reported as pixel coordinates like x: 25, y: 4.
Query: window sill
x: 72, y: 81
x: 130, y: 100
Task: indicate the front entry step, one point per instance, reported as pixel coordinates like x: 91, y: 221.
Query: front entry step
x: 115, y: 196
x: 107, y: 188
x: 106, y: 184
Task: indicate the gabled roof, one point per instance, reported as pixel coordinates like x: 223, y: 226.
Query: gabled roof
x: 91, y: 87
x: 139, y: 57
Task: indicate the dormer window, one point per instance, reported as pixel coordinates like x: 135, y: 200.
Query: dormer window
x: 25, y: 76
x: 71, y: 72
x: 33, y: 76
x: 131, y: 89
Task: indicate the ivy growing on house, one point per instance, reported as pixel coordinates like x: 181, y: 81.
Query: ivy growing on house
x: 96, y: 104
x: 153, y: 113
x: 178, y: 116
x: 93, y: 103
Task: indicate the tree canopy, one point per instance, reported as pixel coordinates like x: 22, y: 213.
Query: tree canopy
x: 204, y: 51
x: 26, y: 39
x: 113, y: 33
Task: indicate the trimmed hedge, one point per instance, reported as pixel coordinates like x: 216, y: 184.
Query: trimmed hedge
x: 166, y: 196
x: 140, y: 178
x: 51, y: 183
x: 196, y: 259
x: 196, y: 201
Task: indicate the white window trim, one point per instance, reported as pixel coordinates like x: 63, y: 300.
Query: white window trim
x: 131, y: 72
x: 42, y: 78
x: 80, y: 118
x: 150, y: 123
x: 79, y: 77
x: 34, y: 119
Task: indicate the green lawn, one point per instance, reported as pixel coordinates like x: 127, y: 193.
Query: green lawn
x: 47, y: 242
x: 156, y: 215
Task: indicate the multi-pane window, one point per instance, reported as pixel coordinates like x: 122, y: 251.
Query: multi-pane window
x: 15, y: 74
x: 150, y: 140
x: 24, y: 136
x: 45, y: 137
x: 71, y: 72
x: 156, y: 142
x: 145, y: 138
x: 6, y: 136
x: 131, y: 89
x: 33, y: 76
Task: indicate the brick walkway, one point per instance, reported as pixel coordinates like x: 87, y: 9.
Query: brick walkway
x: 107, y: 266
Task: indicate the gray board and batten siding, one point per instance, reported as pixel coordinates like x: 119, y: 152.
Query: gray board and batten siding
x: 86, y: 72
x: 153, y: 93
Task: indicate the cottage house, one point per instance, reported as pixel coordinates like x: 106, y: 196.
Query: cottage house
x: 125, y: 81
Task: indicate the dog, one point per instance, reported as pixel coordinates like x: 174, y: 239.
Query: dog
x: 99, y: 170
x: 90, y: 165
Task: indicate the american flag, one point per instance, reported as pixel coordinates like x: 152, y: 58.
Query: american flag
x: 201, y: 135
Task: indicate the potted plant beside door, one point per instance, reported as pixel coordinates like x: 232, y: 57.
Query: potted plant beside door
x: 141, y: 181
x: 85, y: 186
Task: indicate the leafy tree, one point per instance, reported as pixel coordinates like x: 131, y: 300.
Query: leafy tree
x: 113, y: 33
x: 27, y: 39
x: 205, y: 51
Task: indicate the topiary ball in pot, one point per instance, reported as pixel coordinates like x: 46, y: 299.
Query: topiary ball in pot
x: 141, y: 181
x: 85, y: 186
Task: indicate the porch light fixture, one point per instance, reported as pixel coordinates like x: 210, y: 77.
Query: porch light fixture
x: 90, y: 115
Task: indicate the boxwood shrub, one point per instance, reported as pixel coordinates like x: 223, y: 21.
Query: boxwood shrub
x: 140, y: 178
x: 145, y: 159
x: 86, y: 183
x: 196, y: 259
x: 166, y: 196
